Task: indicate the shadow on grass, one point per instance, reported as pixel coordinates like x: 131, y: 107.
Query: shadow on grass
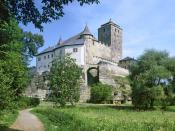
x: 6, y: 128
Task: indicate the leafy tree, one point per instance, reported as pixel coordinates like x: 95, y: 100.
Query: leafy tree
x: 101, y: 93
x: 27, y: 10
x: 5, y: 92
x: 13, y: 62
x: 64, y: 80
x: 170, y: 65
x: 31, y: 44
x: 149, y: 78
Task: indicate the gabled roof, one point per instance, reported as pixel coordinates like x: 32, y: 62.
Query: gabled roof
x: 49, y: 49
x: 127, y: 58
x: 75, y: 40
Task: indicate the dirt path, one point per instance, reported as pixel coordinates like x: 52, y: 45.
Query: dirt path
x: 26, y: 121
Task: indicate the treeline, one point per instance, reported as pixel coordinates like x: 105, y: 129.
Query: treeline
x: 153, y: 80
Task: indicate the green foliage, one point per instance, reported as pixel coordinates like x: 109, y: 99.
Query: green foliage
x: 26, y: 11
x: 145, y: 98
x: 13, y: 62
x: 5, y: 93
x: 64, y: 80
x: 123, y: 87
x: 7, y: 118
x: 151, y: 79
x: 101, y: 93
x: 31, y: 44
x: 106, y: 118
x: 26, y: 102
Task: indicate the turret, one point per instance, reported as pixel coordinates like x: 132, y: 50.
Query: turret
x: 60, y: 41
x: 86, y: 34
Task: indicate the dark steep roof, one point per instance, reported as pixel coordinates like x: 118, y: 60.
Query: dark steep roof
x: 75, y: 40
x: 127, y: 58
x: 49, y: 49
x: 110, y: 22
x: 86, y: 31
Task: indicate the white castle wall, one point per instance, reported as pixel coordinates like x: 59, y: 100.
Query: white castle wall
x: 45, y: 62
x: 78, y: 56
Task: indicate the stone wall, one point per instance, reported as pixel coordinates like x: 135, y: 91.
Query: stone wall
x: 96, y: 49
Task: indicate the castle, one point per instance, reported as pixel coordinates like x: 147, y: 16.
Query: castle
x: 98, y: 57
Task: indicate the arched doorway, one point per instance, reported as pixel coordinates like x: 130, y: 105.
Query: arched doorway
x: 92, y: 75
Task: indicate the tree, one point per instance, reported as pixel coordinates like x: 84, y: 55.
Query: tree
x: 149, y: 78
x: 5, y: 92
x: 31, y: 44
x: 170, y: 65
x: 64, y: 80
x: 13, y: 62
x: 26, y: 11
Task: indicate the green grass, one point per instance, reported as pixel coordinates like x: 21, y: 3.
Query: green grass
x: 104, y: 118
x: 7, y: 118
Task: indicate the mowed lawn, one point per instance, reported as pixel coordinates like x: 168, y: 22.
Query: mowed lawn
x: 89, y: 117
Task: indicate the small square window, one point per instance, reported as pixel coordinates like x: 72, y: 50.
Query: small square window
x: 75, y: 50
x: 60, y: 52
x: 44, y: 57
x: 52, y: 55
x: 48, y: 56
x: 39, y: 58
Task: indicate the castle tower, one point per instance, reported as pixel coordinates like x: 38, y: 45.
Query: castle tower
x: 111, y: 35
x: 86, y: 33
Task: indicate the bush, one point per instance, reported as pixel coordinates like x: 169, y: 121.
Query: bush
x: 145, y: 98
x: 101, y: 93
x: 26, y: 102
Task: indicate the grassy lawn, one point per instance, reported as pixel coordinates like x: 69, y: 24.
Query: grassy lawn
x: 89, y: 117
x: 7, y: 118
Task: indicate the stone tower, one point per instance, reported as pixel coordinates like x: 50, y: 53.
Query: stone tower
x: 111, y: 35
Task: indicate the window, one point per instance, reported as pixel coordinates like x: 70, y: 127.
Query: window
x: 60, y: 52
x: 39, y: 58
x: 48, y: 56
x: 52, y: 55
x: 44, y: 57
x: 104, y: 30
x: 48, y: 66
x: 75, y: 50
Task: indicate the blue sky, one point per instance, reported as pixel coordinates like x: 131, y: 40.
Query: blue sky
x: 146, y: 24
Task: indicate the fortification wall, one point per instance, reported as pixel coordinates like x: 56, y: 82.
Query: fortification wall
x: 96, y: 49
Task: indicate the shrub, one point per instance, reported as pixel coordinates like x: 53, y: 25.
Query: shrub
x: 26, y: 102
x: 101, y: 93
x: 145, y: 98
x: 34, y: 101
